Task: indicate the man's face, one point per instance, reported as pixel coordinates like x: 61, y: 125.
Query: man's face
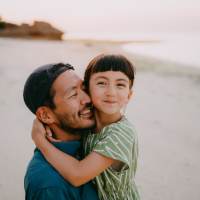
x: 72, y: 103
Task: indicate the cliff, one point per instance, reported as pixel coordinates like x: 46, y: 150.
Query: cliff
x: 38, y: 30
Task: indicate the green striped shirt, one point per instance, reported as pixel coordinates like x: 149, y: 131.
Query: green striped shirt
x: 118, y: 141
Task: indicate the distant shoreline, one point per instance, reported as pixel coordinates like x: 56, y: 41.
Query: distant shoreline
x: 82, y: 40
x: 109, y: 41
x: 142, y: 61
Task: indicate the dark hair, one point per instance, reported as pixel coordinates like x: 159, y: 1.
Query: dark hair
x: 55, y: 71
x: 103, y: 63
x: 38, y: 87
x: 49, y: 99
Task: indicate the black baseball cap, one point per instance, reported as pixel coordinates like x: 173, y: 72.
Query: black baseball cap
x: 39, y: 82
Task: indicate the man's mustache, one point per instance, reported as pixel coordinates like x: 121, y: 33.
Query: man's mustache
x: 88, y: 106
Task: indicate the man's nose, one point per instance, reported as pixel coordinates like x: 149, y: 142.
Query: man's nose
x: 84, y: 98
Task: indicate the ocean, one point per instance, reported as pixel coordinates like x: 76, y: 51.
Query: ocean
x: 182, y: 48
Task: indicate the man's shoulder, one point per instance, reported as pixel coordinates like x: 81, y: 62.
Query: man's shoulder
x: 40, y: 174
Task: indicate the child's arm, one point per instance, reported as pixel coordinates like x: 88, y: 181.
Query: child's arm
x: 75, y: 171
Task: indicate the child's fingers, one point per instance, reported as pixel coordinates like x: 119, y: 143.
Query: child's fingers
x: 48, y: 131
x: 51, y: 139
x: 49, y: 135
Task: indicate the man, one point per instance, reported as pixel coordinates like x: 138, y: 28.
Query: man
x: 54, y: 94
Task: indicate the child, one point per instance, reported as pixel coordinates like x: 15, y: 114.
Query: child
x: 111, y: 149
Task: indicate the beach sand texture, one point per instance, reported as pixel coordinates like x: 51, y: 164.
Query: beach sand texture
x: 165, y: 110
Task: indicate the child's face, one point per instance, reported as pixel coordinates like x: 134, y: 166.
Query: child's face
x: 109, y: 91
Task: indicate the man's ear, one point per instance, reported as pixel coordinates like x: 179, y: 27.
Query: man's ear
x: 45, y: 115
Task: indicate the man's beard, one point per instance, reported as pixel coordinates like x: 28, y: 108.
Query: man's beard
x: 74, y: 131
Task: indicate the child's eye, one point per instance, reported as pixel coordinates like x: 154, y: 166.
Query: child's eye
x: 121, y: 85
x: 101, y: 83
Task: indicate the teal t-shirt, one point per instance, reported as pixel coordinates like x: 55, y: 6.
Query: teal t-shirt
x: 43, y: 182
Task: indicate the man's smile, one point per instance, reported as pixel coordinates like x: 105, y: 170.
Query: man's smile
x: 86, y: 113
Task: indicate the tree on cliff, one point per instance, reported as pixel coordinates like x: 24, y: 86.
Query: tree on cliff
x: 2, y: 23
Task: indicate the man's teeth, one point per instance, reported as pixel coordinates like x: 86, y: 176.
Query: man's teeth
x: 85, y: 112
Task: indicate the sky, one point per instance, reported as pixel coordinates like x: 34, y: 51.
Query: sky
x: 103, y: 17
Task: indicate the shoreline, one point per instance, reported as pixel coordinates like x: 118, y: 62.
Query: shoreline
x: 83, y: 40
x: 118, y: 44
x: 142, y: 62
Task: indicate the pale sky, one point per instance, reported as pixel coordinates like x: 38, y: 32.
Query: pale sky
x: 107, y: 16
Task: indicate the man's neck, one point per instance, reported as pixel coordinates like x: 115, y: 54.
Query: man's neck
x: 62, y: 135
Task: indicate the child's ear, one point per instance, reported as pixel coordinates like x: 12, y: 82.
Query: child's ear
x: 130, y: 94
x: 45, y: 115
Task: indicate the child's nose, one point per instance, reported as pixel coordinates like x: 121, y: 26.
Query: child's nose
x: 111, y: 90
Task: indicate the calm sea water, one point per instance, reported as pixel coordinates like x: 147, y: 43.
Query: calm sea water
x: 182, y: 48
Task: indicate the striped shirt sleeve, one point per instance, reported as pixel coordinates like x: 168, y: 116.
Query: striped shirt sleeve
x: 117, y: 143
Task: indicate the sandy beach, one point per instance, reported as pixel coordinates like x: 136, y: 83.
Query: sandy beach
x: 165, y: 110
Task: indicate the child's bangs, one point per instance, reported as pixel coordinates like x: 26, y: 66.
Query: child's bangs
x: 110, y: 65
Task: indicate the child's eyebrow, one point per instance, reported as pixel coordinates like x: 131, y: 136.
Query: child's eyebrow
x: 121, y: 79
x: 103, y: 77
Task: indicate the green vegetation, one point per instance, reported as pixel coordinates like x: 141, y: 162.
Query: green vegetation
x: 2, y: 23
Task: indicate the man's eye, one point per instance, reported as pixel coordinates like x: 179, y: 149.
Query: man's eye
x: 74, y: 95
x: 83, y: 87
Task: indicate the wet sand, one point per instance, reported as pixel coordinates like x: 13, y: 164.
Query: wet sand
x: 165, y: 109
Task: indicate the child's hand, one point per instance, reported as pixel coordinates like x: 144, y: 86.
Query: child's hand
x: 38, y: 131
x: 41, y: 132
x: 49, y: 135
